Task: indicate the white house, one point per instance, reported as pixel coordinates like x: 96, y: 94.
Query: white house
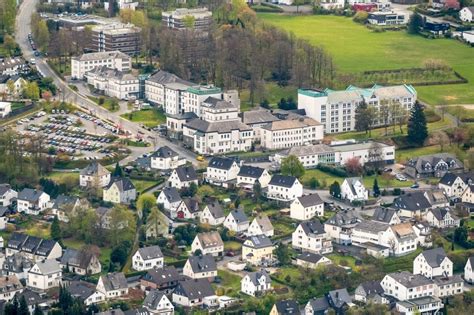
x: 166, y: 159
x: 469, y: 270
x: 212, y: 214
x: 248, y: 175
x: 9, y: 286
x: 454, y: 184
x: 307, y: 207
x: 170, y: 199
x: 86, y: 292
x: 237, y: 221
x: 192, y: 292
x: 7, y: 194
x: 258, y: 250
x: 312, y: 260
x: 284, y: 188
x: 45, y: 275
x: 442, y: 218
x: 94, y: 175
x: 208, y: 243
x: 433, y: 263
x: 110, y: 59
x: 370, y: 291
x: 468, y: 194
x: 261, y: 225
x: 158, y: 303
x: 120, y: 190
x: 466, y: 14
x: 200, y: 267
x: 401, y: 239
x: 187, y: 209
x: 353, y: 189
x: 339, y: 226
x: 406, y: 286
x: 146, y: 258
x: 32, y: 201
x: 182, y: 177
x: 113, y: 285
x: 256, y: 283
x: 221, y: 170
x: 310, y: 236
x: 81, y: 262
x: 386, y: 215
x: 5, y: 109
x: 3, y: 218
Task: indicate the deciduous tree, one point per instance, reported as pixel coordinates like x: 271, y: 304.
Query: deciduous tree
x: 292, y: 166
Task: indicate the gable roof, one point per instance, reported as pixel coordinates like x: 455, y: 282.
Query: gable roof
x: 259, y: 241
x: 171, y: 194
x: 152, y: 299
x: 186, y: 173
x: 287, y: 307
x: 150, y: 252
x: 239, y: 216
x: 64, y: 201
x: 312, y: 227
x: 310, y: 200
x: 283, y: 181
x: 372, y: 288
x: 319, y: 304
x: 194, y: 288
x: 420, y: 163
x: 114, y: 281
x: 31, y: 244
x: 339, y: 297
x: 344, y: 218
x: 4, y: 188
x: 191, y: 204
x: 76, y: 258
x: 412, y: 201
x: 409, y: 280
x: 210, y: 239
x: 123, y: 184
x: 351, y: 181
x: 448, y: 179
x: 164, y: 77
x: 9, y: 283
x: 383, y: 214
x: 434, y: 257
x: 251, y: 171
x: 221, y: 163
x: 48, y: 266
x: 310, y: 257
x: 204, y: 263
x: 440, y: 213
x: 162, y: 276
x: 31, y: 297
x: 164, y: 152
x: 31, y: 195
x: 94, y: 169
x: 264, y: 222
x: 81, y: 289
x: 216, y: 210
x: 259, y: 116
x: 254, y: 276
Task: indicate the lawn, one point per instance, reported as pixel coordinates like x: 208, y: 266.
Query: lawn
x: 142, y: 185
x: 233, y: 246
x: 230, y: 283
x: 62, y: 177
x: 104, y: 251
x: 383, y: 51
x: 39, y: 229
x: 148, y: 117
x: 273, y: 94
x: 346, y: 261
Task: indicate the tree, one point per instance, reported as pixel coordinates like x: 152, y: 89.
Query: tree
x: 122, y: 225
x: 459, y: 136
x: 23, y: 308
x: 376, y: 189
x: 384, y: 114
x: 283, y: 254
x: 31, y: 91
x: 144, y: 205
x: 56, y: 229
x: 189, y: 21
x: 353, y: 166
x: 291, y: 166
x: 365, y: 117
x: 313, y: 183
x: 257, y: 190
x: 42, y: 35
x: 415, y: 23
x: 417, y: 129
x: 441, y: 139
x: 118, y: 172
x: 335, y: 190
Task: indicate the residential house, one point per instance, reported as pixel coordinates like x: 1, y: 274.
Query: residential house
x: 17, y: 265
x: 110, y: 59
x: 33, y: 300
x: 208, y: 243
x: 404, y: 285
x: 192, y: 292
x: 312, y: 260
x: 113, y: 285
x: 200, y: 267
x: 44, y: 275
x: 469, y: 270
x: 213, y: 214
x: 427, y: 305
x: 3, y: 218
x: 442, y: 218
x: 433, y: 263
x: 423, y: 234
x: 249, y: 175
x: 284, y: 188
x: 370, y: 292
x: 382, y: 18
x: 166, y: 159
x: 353, y: 189
x: 120, y: 190
x: 283, y: 134
x: 417, y: 204
x: 32, y: 201
x: 164, y: 280
x: 454, y: 184
x: 466, y: 14
x: 146, y: 258
x: 258, y: 250
x: 12, y: 66
x: 401, y: 239
x: 436, y: 28
x: 339, y: 226
x: 386, y: 215
x: 85, y: 292
x: 170, y: 199
x: 237, y: 221
x: 339, y: 300
x: 94, y: 175
x: 183, y: 177
x: 65, y: 206
x: 80, y: 262
x: 310, y: 236
x: 256, y: 283
x: 158, y: 303
x: 261, y: 225
x: 307, y: 207
x: 285, y: 307
x: 448, y: 286
x: 435, y: 165
x: 373, y: 234
x: 317, y: 306
x: 7, y: 195
x: 9, y: 286
x: 32, y: 247
x: 221, y: 170
x: 468, y: 195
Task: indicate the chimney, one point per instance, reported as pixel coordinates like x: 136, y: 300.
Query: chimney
x: 6, y: 278
x: 337, y: 294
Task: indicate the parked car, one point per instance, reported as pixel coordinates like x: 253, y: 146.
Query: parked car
x: 401, y: 177
x: 415, y: 185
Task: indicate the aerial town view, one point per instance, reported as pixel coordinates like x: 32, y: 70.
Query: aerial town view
x: 244, y: 157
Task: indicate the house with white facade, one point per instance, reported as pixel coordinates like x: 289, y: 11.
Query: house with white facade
x: 94, y: 175
x: 353, y: 189
x: 159, y: 91
x: 454, y: 184
x: 261, y: 225
x: 442, y: 218
x: 113, y: 285
x: 114, y: 83
x: 212, y: 214
x: 187, y: 209
x: 423, y: 233
x: 32, y: 201
x: 312, y: 260
x: 284, y: 188
x: 183, y: 176
x: 85, y: 292
x: 237, y: 221
x: 417, y: 204
x: 433, y: 263
x: 200, y: 267
x: 407, y: 286
x: 310, y: 236
x: 466, y: 14
x: 256, y: 283
x: 5, y: 109
x: 469, y: 270
x: 434, y: 165
x: 248, y: 175
x: 80, y: 262
x: 339, y: 226
x: 468, y: 194
x: 370, y: 292
x: 170, y: 199
x: 7, y: 195
x: 307, y: 207
x: 209, y: 243
x: 386, y: 215
x: 166, y: 159
x: 401, y: 239
x: 332, y: 4
x: 120, y: 190
x: 336, y: 109
x: 44, y: 275
x: 33, y: 248
x: 146, y: 258
x: 9, y: 287
x: 221, y: 171
x: 111, y: 59
x: 193, y: 292
x: 157, y: 302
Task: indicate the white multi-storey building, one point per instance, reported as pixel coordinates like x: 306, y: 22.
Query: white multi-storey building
x: 336, y: 109
x: 406, y: 286
x: 110, y: 59
x: 306, y: 207
x: 114, y: 83
x: 433, y: 263
x: 284, y: 134
x: 310, y: 236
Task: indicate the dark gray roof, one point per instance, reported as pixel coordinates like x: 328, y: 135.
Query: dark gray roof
x: 114, y: 281
x: 63, y: 200
x: 3, y: 211
x: 448, y: 178
x: 81, y: 289
x: 186, y: 173
x: 471, y: 261
x: 16, y: 240
x: 287, y: 307
x: 137, y: 311
x: 310, y: 200
x: 372, y: 288
x: 216, y: 209
x: 191, y: 204
x: 31, y: 244
x: 310, y: 257
x: 152, y: 299
x: 217, y: 126
x: 45, y: 247
x: 123, y: 184
x: 31, y: 195
x: 221, y: 163
x: 254, y: 276
x: 194, y: 288
x: 410, y: 280
x: 150, y: 252
x: 164, y: 77
x: 251, y: 171
x: 162, y: 276
x: 93, y: 169
x: 383, y: 214
x: 282, y: 181
x: 434, y: 257
x: 217, y: 103
x: 259, y: 116
x: 319, y: 305
x: 239, y: 216
x: 17, y: 263
x: 164, y: 152
x: 412, y: 201
x: 204, y: 263
x: 260, y: 241
x: 421, y: 163
x: 184, y: 116
x: 312, y: 227
x: 440, y: 213
x: 338, y: 298
x: 76, y: 258
x: 31, y: 297
x: 4, y: 188
x: 171, y: 194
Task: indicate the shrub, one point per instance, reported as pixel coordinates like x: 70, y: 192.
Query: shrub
x: 337, y: 171
x: 361, y: 17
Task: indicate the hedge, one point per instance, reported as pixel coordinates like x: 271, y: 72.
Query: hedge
x: 337, y: 171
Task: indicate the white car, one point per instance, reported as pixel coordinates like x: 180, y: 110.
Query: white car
x: 401, y: 178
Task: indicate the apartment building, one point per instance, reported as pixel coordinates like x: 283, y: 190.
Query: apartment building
x: 114, y: 83
x: 310, y: 236
x: 117, y: 37
x: 406, y: 286
x: 179, y: 19
x: 336, y: 109
x: 111, y: 59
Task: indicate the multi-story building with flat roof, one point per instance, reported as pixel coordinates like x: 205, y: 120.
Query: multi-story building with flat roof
x: 198, y: 19
x: 117, y: 36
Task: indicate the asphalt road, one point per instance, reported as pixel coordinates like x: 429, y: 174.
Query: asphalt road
x: 23, y: 27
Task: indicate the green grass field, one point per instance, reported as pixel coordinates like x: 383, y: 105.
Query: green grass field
x: 148, y: 117
x: 142, y: 185
x: 273, y: 93
x: 356, y: 48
